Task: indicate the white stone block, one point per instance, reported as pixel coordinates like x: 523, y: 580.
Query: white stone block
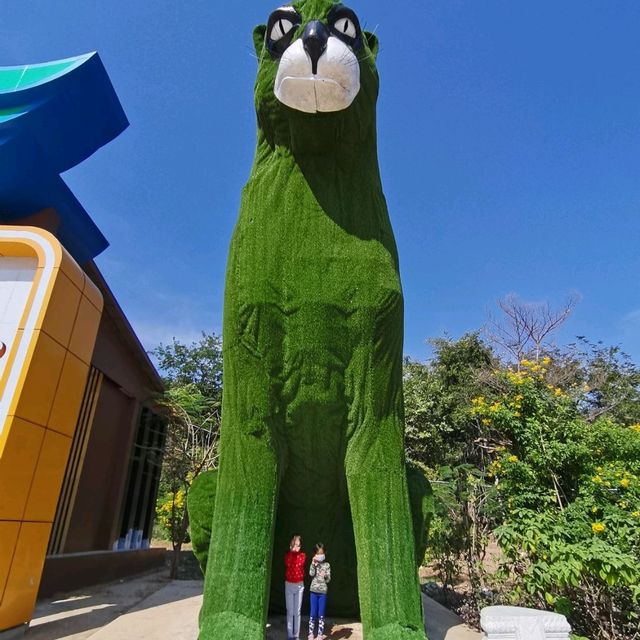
x: 518, y: 623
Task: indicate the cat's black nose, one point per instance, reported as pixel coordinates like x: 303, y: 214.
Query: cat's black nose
x: 314, y: 39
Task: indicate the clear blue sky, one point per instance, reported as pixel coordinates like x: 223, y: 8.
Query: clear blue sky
x: 509, y: 149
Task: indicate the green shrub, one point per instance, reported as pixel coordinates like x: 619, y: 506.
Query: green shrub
x: 546, y: 471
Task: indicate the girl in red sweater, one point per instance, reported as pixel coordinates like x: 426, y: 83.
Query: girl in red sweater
x: 294, y: 561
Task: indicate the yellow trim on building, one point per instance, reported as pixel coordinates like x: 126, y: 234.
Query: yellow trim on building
x: 41, y: 390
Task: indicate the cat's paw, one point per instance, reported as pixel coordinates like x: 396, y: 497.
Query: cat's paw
x: 230, y: 625
x: 395, y: 631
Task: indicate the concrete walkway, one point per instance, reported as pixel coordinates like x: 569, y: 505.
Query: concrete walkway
x: 151, y: 607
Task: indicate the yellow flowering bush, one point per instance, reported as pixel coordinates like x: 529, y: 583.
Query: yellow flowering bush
x: 549, y: 466
x: 169, y: 511
x: 516, y: 377
x: 568, y: 490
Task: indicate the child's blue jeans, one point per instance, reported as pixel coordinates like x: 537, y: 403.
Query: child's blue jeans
x: 318, y: 606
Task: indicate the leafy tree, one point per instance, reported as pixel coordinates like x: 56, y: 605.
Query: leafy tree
x: 544, y: 457
x: 568, y: 513
x: 191, y: 403
x: 611, y: 383
x: 442, y: 436
x: 198, y: 364
x: 438, y: 428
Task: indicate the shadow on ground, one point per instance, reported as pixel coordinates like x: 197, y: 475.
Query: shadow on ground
x: 82, y: 613
x: 152, y: 606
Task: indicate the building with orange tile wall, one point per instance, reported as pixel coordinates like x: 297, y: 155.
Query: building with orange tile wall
x: 81, y: 441
x: 48, y: 325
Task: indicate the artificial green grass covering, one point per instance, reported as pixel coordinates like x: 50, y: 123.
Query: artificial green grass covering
x: 312, y: 416
x: 200, y: 502
x: 422, y: 509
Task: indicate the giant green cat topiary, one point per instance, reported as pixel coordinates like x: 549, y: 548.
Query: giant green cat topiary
x: 312, y: 417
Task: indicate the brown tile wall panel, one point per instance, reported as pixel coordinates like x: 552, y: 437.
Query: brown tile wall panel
x: 113, y: 357
x: 97, y: 501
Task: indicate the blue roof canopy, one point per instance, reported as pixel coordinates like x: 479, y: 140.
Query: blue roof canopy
x: 52, y: 117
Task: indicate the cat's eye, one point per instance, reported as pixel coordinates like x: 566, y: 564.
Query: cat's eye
x: 280, y: 29
x: 345, y: 26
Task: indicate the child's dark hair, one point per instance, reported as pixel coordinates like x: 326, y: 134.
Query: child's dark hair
x: 317, y: 547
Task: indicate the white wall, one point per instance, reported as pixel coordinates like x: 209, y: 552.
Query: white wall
x: 16, y: 280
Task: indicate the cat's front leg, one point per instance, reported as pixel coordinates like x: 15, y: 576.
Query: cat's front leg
x: 390, y: 599
x: 239, y: 562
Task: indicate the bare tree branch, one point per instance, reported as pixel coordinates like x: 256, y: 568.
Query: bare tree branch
x: 525, y: 328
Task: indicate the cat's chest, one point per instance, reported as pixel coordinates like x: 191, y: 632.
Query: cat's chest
x: 318, y: 262
x: 321, y: 236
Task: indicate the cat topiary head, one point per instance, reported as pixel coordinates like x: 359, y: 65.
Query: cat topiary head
x: 315, y: 64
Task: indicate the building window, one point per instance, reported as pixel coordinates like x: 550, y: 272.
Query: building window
x: 142, y: 482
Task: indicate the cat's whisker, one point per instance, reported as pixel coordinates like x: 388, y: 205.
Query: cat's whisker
x: 252, y: 53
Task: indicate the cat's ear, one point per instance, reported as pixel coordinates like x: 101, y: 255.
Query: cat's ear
x: 372, y: 43
x: 258, y: 39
